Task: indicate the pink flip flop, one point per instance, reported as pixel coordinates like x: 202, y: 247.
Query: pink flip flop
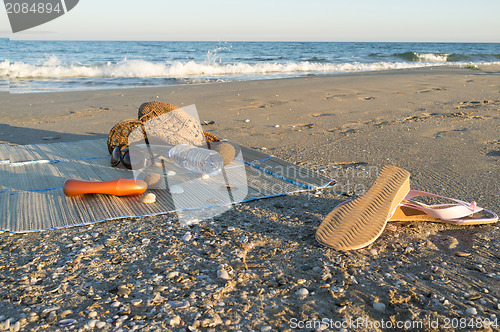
x: 457, y: 213
x: 460, y: 213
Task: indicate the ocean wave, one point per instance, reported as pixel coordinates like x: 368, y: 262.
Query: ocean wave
x: 316, y: 59
x: 444, y: 57
x: 429, y: 57
x: 53, y: 68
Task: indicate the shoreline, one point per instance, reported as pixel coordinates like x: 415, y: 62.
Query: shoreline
x: 427, y: 65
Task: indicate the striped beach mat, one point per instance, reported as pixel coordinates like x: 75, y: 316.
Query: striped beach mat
x: 32, y: 176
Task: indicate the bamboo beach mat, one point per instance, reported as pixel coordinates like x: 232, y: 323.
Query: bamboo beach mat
x: 32, y: 176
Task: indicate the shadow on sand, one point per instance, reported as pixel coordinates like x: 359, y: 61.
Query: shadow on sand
x: 21, y: 135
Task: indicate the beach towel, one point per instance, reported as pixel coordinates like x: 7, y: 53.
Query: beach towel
x: 31, y: 179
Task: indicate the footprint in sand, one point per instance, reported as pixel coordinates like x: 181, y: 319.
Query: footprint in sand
x: 260, y: 105
x: 450, y: 132
x: 349, y: 128
x: 430, y: 89
x: 315, y: 115
x: 493, y: 153
x: 337, y: 97
x: 90, y: 110
x: 301, y: 126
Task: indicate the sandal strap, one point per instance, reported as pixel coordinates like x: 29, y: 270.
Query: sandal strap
x: 441, y: 211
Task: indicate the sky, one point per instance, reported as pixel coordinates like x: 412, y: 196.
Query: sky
x: 272, y: 20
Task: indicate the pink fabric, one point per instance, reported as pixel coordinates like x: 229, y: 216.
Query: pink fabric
x: 455, y: 213
x: 441, y: 211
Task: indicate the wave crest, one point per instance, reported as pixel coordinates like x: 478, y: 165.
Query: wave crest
x: 430, y: 57
x: 53, y: 68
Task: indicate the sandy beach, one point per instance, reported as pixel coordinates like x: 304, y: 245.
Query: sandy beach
x: 439, y: 123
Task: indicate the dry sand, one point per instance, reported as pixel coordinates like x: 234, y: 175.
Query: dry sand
x: 441, y: 124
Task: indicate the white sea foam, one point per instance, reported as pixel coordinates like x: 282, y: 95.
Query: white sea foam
x: 433, y: 57
x: 53, y: 68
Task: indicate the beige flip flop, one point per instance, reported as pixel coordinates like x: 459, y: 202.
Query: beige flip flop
x: 358, y: 223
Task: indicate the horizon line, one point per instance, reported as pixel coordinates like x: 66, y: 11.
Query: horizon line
x: 257, y: 41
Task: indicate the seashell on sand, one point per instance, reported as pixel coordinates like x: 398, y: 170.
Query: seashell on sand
x: 175, y: 189
x: 222, y: 273
x: 187, y: 237
x: 148, y: 198
x: 152, y: 179
x: 136, y: 302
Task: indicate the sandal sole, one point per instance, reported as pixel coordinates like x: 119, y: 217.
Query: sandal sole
x: 360, y: 222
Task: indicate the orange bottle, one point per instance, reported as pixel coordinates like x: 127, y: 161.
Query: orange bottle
x: 119, y: 187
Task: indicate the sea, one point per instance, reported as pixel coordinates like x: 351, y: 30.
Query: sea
x: 48, y: 66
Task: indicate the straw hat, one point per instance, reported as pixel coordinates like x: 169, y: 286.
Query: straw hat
x: 118, y: 135
x: 174, y: 127
x: 152, y: 109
